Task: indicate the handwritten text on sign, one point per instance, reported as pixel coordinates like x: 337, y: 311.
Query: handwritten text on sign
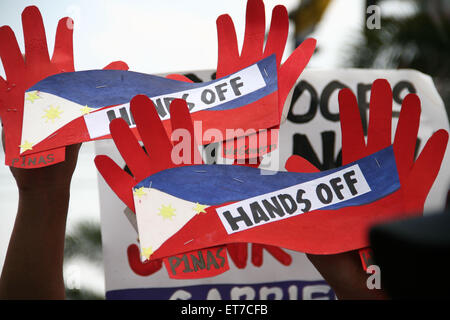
x: 337, y: 187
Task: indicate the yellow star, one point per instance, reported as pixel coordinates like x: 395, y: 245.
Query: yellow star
x: 167, y: 212
x: 33, y: 95
x: 199, y: 208
x: 86, y: 110
x: 26, y: 146
x: 52, y: 113
x: 147, y: 252
x: 139, y: 192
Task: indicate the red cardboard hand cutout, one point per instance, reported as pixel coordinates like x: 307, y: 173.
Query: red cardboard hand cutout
x: 230, y: 60
x: 158, y: 158
x: 24, y: 71
x: 335, y: 231
x: 156, y: 142
x: 253, y: 50
x: 142, y: 163
x: 416, y: 177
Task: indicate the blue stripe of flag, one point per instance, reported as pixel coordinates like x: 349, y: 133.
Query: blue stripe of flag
x: 218, y: 184
x: 101, y: 88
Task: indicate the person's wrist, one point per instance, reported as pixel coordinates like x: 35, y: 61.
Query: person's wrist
x: 49, y: 200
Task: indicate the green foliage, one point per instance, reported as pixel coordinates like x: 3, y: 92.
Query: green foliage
x: 419, y: 41
x: 84, y: 242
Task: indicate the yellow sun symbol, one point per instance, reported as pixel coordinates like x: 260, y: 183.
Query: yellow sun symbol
x: 199, y: 208
x: 31, y: 96
x: 167, y: 212
x: 52, y: 113
x: 147, y: 252
x: 139, y: 192
x: 86, y: 110
x: 26, y: 146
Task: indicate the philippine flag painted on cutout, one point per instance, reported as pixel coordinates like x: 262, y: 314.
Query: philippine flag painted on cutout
x: 74, y: 107
x: 193, y: 207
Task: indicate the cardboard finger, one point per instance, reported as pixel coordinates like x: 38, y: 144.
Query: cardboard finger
x: 353, y: 143
x: 406, y: 135
x: 117, y: 179
x: 183, y: 129
x: 178, y: 77
x: 12, y: 59
x: 278, y: 33
x: 291, y: 69
x: 36, y: 50
x: 295, y: 163
x: 130, y: 149
x: 152, y: 132
x: 255, y: 29
x: 380, y: 116
x: 425, y: 170
x: 116, y: 65
x: 228, y: 51
x: 63, y: 50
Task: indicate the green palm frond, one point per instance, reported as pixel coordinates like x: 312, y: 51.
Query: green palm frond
x: 84, y: 242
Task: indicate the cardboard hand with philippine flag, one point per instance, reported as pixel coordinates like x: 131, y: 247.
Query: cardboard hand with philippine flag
x: 255, y: 47
x: 160, y: 154
x: 334, y: 233
x: 22, y: 71
x: 187, y: 207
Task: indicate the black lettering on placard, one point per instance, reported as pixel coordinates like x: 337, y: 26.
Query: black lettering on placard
x: 273, y: 207
x: 258, y: 213
x: 198, y: 263
x: 235, y: 85
x: 303, y: 148
x: 174, y: 262
x: 210, y: 260
x: 208, y: 96
x: 210, y: 153
x: 351, y: 181
x: 314, y: 102
x: 232, y: 221
x: 325, y: 100
x: 336, y: 184
x: 301, y: 200
x: 398, y: 89
x: 288, y: 203
x: 328, y: 196
x: 220, y: 90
